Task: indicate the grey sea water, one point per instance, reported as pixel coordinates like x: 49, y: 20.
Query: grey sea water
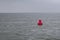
x: 23, y: 26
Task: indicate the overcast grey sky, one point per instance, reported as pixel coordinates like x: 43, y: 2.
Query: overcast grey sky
x: 17, y: 6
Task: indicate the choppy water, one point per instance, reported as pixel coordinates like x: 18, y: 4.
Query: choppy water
x: 24, y: 26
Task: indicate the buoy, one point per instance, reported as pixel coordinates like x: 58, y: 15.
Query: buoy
x: 39, y: 23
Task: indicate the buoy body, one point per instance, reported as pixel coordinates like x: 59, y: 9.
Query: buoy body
x: 39, y: 23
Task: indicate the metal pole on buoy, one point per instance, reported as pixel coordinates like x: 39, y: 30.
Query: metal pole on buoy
x: 39, y: 22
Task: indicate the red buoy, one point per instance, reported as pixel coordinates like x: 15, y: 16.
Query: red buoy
x: 39, y: 23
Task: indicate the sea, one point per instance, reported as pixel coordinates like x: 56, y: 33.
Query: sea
x: 23, y: 26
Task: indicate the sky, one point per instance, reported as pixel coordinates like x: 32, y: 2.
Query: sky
x: 20, y: 6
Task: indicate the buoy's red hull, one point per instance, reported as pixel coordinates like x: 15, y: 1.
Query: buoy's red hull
x: 40, y: 23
